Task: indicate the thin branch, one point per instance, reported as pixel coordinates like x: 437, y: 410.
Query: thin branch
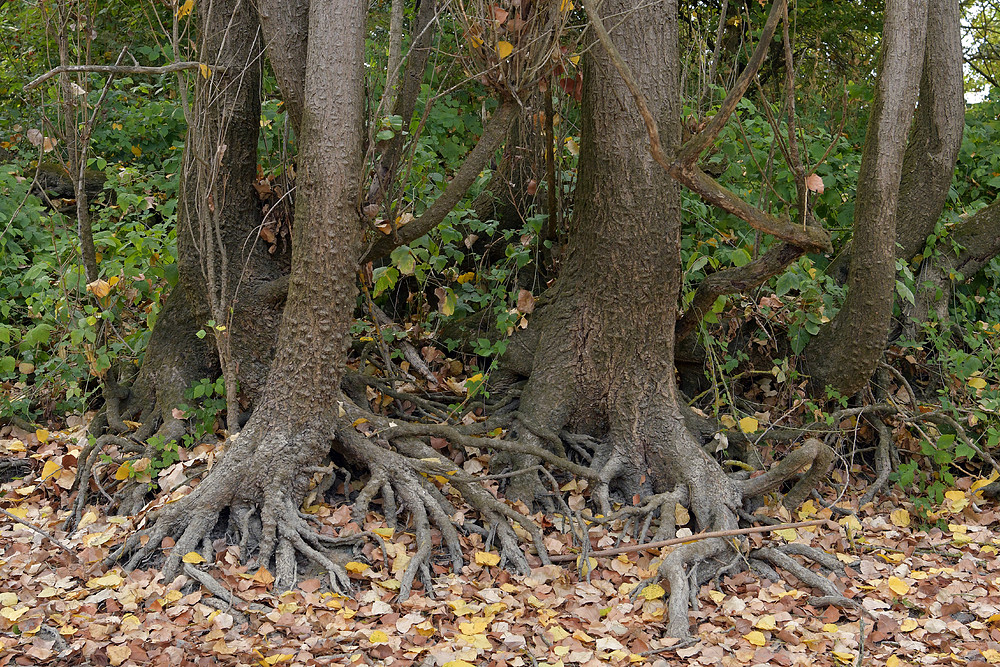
x: 685, y: 168
x: 114, y: 70
x: 632, y: 548
x: 40, y: 532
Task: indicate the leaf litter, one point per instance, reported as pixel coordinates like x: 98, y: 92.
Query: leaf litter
x: 927, y: 595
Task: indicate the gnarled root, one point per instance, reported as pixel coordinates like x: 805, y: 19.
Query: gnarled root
x: 262, y: 486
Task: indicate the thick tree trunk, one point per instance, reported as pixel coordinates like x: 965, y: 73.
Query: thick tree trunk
x: 936, y: 135
x: 262, y: 478
x: 218, y: 220
x: 604, y: 361
x: 844, y: 353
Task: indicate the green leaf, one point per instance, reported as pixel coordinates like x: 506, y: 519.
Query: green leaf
x: 787, y: 281
x: 404, y: 260
x: 740, y: 257
x: 385, y: 135
x: 904, y: 292
x: 37, y: 335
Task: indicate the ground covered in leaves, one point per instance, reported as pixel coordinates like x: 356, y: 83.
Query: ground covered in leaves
x: 930, y: 596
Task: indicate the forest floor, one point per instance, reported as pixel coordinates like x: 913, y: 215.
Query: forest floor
x: 930, y: 596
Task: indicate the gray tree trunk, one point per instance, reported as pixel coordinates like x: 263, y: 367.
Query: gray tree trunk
x: 845, y: 352
x: 936, y: 135
x: 604, y: 361
x: 262, y: 477
x: 219, y: 213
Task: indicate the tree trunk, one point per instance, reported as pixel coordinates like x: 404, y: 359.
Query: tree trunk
x: 978, y: 240
x: 218, y: 221
x: 262, y: 478
x: 844, y: 353
x: 936, y: 135
x: 604, y: 361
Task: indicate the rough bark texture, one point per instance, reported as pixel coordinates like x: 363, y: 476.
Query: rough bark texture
x: 604, y: 361
x: 845, y: 352
x: 218, y: 220
x: 262, y: 477
x: 285, y: 25
x: 936, y: 135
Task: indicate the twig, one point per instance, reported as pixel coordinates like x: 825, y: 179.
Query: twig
x: 41, y: 532
x: 114, y: 69
x: 700, y: 536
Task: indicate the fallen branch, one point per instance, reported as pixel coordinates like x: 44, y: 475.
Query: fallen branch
x: 41, y: 532
x: 566, y: 558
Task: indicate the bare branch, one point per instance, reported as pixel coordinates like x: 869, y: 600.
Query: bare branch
x: 685, y: 168
x: 566, y: 558
x: 114, y: 70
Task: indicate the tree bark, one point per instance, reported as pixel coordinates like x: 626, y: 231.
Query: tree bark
x: 218, y: 221
x: 978, y: 241
x: 844, y: 353
x: 936, y: 135
x: 262, y: 477
x: 604, y: 361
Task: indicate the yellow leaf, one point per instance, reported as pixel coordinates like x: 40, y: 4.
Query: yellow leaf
x: 8, y: 599
x: 100, y: 288
x: 474, y: 626
x: 851, y: 523
x: 42, y: 435
x: 356, y: 567
x: 652, y: 592
x: 114, y: 280
x: 717, y: 596
x: 136, y: 151
x: 504, y: 49
x: 830, y: 627
x: 585, y: 567
x: 457, y: 663
x: 123, y: 471
x: 425, y: 629
x: 466, y: 277
x: 766, y: 623
x: 193, y: 557
x: 278, y: 657
x: 358, y: 422
x: 900, y: 518
x: 49, y: 469
x: 566, y: 6
x: 484, y: 558
x: 893, y: 661
x: 13, y: 614
x: 185, y: 9
x: 954, y: 495
x: 205, y: 70
x: 807, y: 509
x: 977, y: 383
x: 378, y: 637
x: 110, y: 580
x: 788, y: 534
x: 749, y: 424
x: 898, y: 586
x: 755, y: 637
x: 844, y: 656
x: 19, y: 512
x: 383, y: 532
